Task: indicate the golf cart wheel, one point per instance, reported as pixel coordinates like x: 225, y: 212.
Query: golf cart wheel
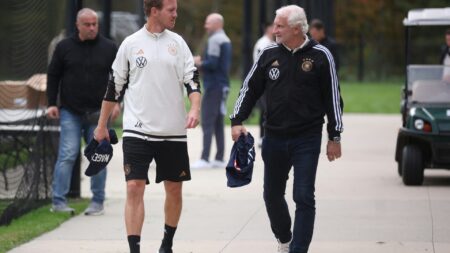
x: 412, y: 165
x: 399, y: 168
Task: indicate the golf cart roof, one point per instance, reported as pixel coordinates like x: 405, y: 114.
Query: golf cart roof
x: 428, y: 17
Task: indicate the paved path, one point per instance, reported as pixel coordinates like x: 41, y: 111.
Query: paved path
x: 362, y: 206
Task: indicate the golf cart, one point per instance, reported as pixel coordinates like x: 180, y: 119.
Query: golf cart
x: 423, y: 141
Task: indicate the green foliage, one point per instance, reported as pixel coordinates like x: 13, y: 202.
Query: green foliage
x: 4, y: 203
x: 14, y: 158
x: 34, y: 224
x: 371, y: 37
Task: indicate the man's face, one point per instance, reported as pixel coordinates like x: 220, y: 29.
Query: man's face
x: 168, y: 14
x: 282, y: 31
x: 317, y: 34
x: 87, y: 26
x: 210, y: 24
x: 447, y: 40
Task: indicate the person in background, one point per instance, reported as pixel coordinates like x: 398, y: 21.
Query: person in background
x: 215, y: 67
x: 155, y: 121
x: 78, y: 76
x: 299, y: 78
x: 318, y: 33
x: 445, y: 57
x: 266, y: 40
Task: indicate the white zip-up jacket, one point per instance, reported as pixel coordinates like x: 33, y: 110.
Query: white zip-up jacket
x: 151, y: 70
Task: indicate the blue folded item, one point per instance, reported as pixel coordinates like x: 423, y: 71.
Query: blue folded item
x: 240, y: 166
x: 99, y: 154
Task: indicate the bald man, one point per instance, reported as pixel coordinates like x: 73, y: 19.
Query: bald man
x: 215, y: 66
x: 78, y: 75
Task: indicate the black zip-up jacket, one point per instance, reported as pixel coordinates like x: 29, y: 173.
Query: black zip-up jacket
x: 79, y: 72
x: 302, y: 87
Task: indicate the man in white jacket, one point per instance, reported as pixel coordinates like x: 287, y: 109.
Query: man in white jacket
x: 268, y: 39
x: 150, y: 70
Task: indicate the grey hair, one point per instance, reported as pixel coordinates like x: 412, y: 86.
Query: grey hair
x: 295, y: 15
x: 84, y: 11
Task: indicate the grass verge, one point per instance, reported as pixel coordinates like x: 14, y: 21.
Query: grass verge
x: 34, y: 224
x: 371, y: 97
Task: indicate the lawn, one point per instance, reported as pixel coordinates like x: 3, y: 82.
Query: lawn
x: 371, y: 97
x: 368, y: 97
x: 34, y: 224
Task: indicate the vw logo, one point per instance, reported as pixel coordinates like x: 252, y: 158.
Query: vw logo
x: 141, y: 61
x: 274, y: 73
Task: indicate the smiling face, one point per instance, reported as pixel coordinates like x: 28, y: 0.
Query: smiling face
x: 283, y: 32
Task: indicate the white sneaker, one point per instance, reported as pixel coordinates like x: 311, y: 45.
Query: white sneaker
x: 260, y: 143
x: 201, y: 164
x: 283, y: 247
x: 94, y: 209
x: 62, y: 208
x: 218, y: 164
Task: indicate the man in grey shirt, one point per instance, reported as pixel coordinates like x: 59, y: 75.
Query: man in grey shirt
x: 214, y: 65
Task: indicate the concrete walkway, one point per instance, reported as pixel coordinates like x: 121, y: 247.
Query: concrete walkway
x: 362, y: 206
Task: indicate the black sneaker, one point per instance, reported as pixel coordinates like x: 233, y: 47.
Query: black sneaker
x: 165, y: 250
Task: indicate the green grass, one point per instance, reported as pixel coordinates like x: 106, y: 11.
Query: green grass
x: 371, y: 97
x: 34, y: 224
x: 367, y: 97
x: 235, y: 87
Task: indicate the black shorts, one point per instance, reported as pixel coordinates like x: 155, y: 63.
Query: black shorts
x: 171, y: 157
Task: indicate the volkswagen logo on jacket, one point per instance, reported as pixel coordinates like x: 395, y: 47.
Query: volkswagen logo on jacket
x: 274, y: 73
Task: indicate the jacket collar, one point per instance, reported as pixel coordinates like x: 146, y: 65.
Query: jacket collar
x: 307, y: 44
x: 76, y: 37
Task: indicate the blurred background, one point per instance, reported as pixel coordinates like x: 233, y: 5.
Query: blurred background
x: 369, y: 33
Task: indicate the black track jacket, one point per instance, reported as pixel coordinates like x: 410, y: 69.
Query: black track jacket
x: 79, y: 71
x: 301, y: 87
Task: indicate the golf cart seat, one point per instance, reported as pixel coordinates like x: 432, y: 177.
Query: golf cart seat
x: 430, y: 91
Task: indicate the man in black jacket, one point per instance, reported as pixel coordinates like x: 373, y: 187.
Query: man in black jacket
x: 299, y: 79
x: 317, y: 32
x: 78, y: 76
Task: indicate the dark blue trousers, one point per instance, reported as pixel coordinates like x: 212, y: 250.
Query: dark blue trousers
x: 279, y: 155
x: 213, y: 111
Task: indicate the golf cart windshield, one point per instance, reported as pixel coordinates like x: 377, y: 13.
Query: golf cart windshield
x: 429, y: 84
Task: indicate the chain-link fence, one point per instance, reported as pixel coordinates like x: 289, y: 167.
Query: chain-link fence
x: 29, y: 32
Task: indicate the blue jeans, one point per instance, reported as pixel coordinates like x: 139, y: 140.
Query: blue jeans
x: 73, y: 127
x: 279, y: 155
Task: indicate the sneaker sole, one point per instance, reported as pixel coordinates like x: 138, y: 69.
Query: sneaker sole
x: 54, y: 211
x: 94, y: 213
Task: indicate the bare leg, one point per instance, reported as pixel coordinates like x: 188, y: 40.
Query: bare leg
x: 174, y: 202
x: 134, y: 207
